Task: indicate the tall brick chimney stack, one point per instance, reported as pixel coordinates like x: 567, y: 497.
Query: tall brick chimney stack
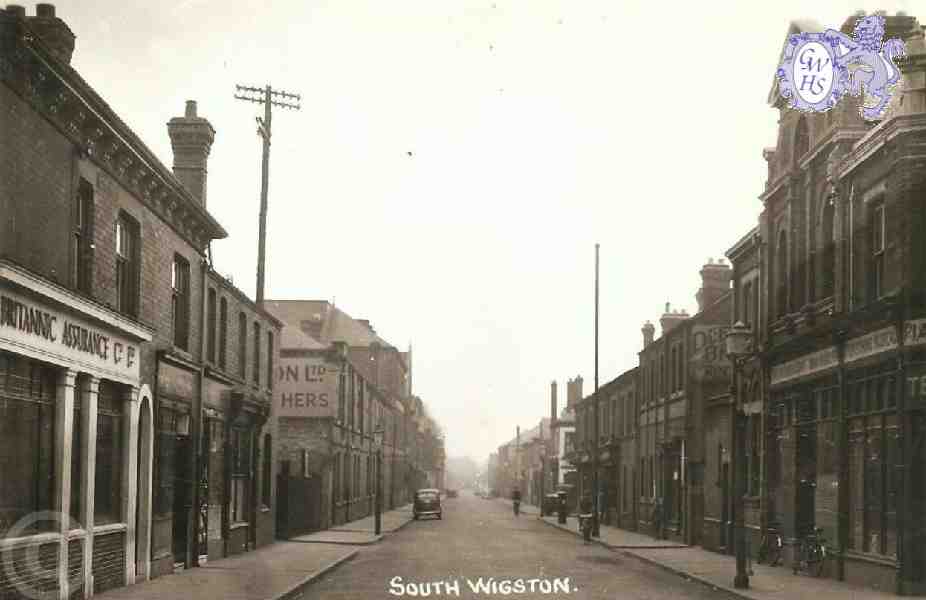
x: 578, y: 384
x: 649, y: 332
x: 671, y: 318
x: 715, y: 282
x: 191, y: 138
x: 52, y: 31
x: 553, y: 401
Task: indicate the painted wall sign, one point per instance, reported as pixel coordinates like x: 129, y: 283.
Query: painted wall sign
x: 29, y: 327
x: 856, y: 349
x: 708, y: 357
x: 306, y: 387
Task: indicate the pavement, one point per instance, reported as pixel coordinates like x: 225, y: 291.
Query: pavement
x: 717, y: 570
x: 280, y: 571
x: 362, y: 531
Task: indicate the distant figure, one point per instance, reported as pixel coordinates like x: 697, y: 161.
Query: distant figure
x: 516, y: 501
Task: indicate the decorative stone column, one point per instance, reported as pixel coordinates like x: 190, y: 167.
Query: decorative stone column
x: 89, y: 392
x: 64, y: 431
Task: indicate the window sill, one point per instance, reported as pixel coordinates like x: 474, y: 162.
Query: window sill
x: 37, y: 539
x: 878, y: 559
x: 109, y: 528
x: 238, y: 525
x: 264, y: 508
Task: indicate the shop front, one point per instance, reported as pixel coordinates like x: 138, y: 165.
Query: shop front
x: 836, y: 449
x: 75, y: 443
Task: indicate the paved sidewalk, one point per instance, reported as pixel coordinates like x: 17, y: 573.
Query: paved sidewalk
x: 527, y: 509
x: 279, y: 571
x: 717, y: 570
x: 393, y: 520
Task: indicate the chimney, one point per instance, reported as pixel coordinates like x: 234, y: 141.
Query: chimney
x: 649, y: 330
x: 670, y: 319
x: 553, y: 401
x: 54, y: 33
x: 578, y: 387
x: 191, y: 138
x: 715, y: 282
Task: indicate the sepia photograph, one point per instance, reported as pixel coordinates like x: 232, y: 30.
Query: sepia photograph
x: 366, y: 299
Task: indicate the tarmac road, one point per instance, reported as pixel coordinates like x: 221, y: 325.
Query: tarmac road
x: 482, y: 550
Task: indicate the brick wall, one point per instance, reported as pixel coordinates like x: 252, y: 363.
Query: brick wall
x: 36, y: 167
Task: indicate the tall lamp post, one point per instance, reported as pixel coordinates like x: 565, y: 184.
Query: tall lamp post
x: 739, y: 350
x: 378, y: 435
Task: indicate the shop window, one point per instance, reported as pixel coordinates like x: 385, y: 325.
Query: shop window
x: 127, y: 262
x: 256, y: 356
x: 107, y: 499
x: 242, y: 345
x: 241, y: 474
x: 27, y: 441
x: 82, y: 239
x: 180, y: 301
x: 223, y: 332
x: 267, y: 468
x: 167, y: 428
x: 215, y: 429
x: 76, y: 455
x: 874, y: 473
x: 211, y: 326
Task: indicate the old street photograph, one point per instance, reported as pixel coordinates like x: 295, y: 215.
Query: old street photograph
x: 355, y: 299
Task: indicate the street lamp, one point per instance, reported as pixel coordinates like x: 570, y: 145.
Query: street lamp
x: 378, y: 434
x: 739, y: 349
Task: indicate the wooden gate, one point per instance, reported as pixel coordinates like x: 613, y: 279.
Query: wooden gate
x: 299, y: 502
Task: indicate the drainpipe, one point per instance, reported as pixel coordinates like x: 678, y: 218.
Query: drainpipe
x: 196, y: 427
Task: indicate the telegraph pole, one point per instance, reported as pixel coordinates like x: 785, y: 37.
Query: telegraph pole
x: 596, y: 442
x: 269, y: 98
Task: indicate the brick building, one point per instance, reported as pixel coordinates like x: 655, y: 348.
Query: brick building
x: 103, y: 382
x: 340, y: 382
x: 840, y: 331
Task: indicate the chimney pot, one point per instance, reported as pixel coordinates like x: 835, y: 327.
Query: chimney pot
x: 45, y: 11
x: 191, y: 138
x: 190, y: 109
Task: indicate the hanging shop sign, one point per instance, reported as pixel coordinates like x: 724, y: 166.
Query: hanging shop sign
x: 865, y: 346
x: 45, y: 333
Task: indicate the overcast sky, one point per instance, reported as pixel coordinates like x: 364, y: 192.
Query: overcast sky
x: 536, y: 129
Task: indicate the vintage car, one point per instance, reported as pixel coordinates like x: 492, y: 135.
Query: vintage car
x: 427, y: 502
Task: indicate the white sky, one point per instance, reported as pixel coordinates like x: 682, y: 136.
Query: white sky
x: 536, y: 129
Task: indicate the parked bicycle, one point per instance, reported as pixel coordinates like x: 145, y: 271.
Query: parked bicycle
x: 770, y: 547
x: 811, y: 554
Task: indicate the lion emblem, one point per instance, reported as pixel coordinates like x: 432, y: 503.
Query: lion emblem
x: 867, y: 64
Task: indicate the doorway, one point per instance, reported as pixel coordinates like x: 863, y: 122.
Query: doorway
x: 805, y: 517
x: 183, y: 501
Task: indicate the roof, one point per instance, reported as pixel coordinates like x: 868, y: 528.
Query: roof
x: 293, y: 339
x: 324, y: 322
x: 532, y: 434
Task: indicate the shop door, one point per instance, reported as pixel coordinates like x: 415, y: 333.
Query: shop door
x: 183, y: 501
x: 806, y: 479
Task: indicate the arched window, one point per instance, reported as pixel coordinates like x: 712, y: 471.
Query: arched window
x: 801, y: 139
x: 828, y: 249
x: 781, y: 274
